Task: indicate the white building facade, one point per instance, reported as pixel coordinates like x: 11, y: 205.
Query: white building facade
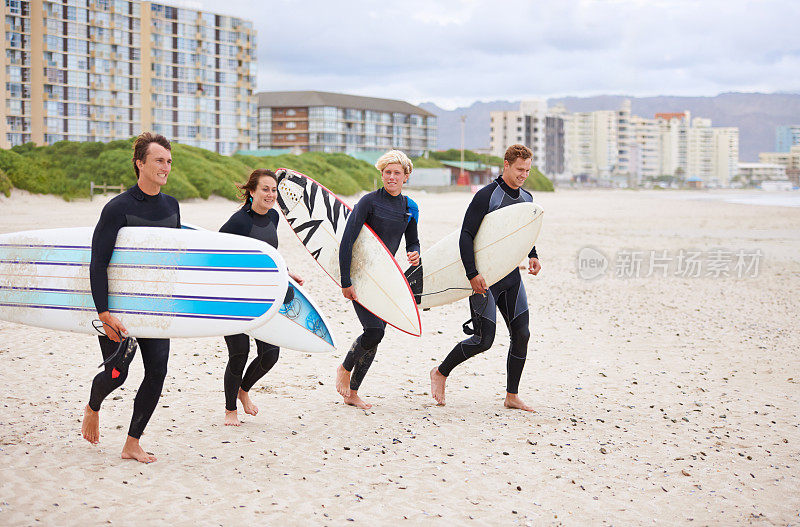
x: 533, y: 125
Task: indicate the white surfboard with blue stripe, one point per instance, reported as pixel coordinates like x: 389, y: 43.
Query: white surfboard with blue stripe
x: 163, y: 283
x: 299, y: 325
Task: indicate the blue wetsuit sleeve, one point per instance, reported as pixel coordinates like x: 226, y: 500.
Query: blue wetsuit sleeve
x: 473, y: 218
x: 103, y: 241
x: 411, y: 234
x: 355, y: 221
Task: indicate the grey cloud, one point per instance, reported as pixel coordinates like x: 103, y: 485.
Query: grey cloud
x: 485, y: 50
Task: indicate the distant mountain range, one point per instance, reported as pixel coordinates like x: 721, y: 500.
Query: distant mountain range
x: 755, y: 114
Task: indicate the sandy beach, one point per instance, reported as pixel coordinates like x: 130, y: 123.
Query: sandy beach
x: 662, y: 397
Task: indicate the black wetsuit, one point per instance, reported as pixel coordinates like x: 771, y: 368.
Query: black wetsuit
x: 507, y: 295
x: 391, y: 217
x: 132, y: 208
x: 264, y: 227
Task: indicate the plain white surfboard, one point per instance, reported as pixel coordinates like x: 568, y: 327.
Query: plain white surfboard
x: 163, y: 283
x: 504, y: 238
x: 318, y: 218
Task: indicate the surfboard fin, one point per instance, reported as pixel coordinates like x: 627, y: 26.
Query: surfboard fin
x: 414, y: 277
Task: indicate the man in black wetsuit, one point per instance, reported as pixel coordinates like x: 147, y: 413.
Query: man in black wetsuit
x: 141, y: 205
x: 391, y: 215
x: 507, y: 295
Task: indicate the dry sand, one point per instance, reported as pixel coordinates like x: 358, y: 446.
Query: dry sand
x: 660, y: 400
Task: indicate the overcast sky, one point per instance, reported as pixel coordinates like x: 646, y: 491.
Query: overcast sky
x: 454, y: 52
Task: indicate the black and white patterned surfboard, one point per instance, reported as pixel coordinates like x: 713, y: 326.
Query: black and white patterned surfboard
x: 318, y: 217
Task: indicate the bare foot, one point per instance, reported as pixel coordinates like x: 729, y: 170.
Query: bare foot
x: 513, y: 401
x: 91, y: 425
x: 247, y: 404
x: 343, y: 382
x: 437, y: 386
x: 354, y: 400
x: 132, y: 450
x: 231, y: 418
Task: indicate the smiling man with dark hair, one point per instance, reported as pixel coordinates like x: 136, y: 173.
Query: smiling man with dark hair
x: 142, y: 205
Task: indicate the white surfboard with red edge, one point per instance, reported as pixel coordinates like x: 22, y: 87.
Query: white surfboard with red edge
x: 318, y: 217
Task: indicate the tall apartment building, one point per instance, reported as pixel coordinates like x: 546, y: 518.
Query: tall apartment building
x: 533, y: 125
x: 674, y: 133
x: 99, y: 70
x: 314, y: 121
x: 786, y: 137
x: 506, y: 128
x: 726, y: 156
x: 646, y: 145
x: 700, y: 149
x: 579, y: 140
x: 625, y: 133
x: 594, y: 144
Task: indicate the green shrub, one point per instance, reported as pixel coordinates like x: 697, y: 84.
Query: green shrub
x: 421, y: 162
x: 5, y: 184
x: 538, y: 181
x: 66, y: 169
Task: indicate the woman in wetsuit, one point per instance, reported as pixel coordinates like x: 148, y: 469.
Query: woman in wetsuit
x: 256, y: 219
x: 391, y: 215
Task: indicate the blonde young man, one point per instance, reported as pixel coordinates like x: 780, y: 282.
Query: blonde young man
x: 391, y: 215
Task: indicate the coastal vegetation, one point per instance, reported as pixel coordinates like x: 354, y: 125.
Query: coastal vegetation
x: 67, y: 168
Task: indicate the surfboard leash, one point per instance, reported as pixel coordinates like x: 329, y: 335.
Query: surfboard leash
x: 124, y: 353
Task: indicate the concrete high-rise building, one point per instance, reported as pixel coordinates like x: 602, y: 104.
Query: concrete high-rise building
x: 554, y: 155
x: 603, y: 145
x: 646, y: 143
x: 506, y: 128
x: 313, y: 121
x: 625, y: 135
x: 579, y: 136
x: 786, y: 137
x: 99, y: 70
x: 726, y: 156
x: 534, y: 126
x: 674, y: 132
x: 700, y: 150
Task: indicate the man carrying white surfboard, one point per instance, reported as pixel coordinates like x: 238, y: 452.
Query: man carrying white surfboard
x: 507, y: 295
x: 141, y: 205
x: 392, y: 216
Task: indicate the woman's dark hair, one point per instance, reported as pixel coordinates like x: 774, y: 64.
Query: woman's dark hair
x: 246, y: 190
